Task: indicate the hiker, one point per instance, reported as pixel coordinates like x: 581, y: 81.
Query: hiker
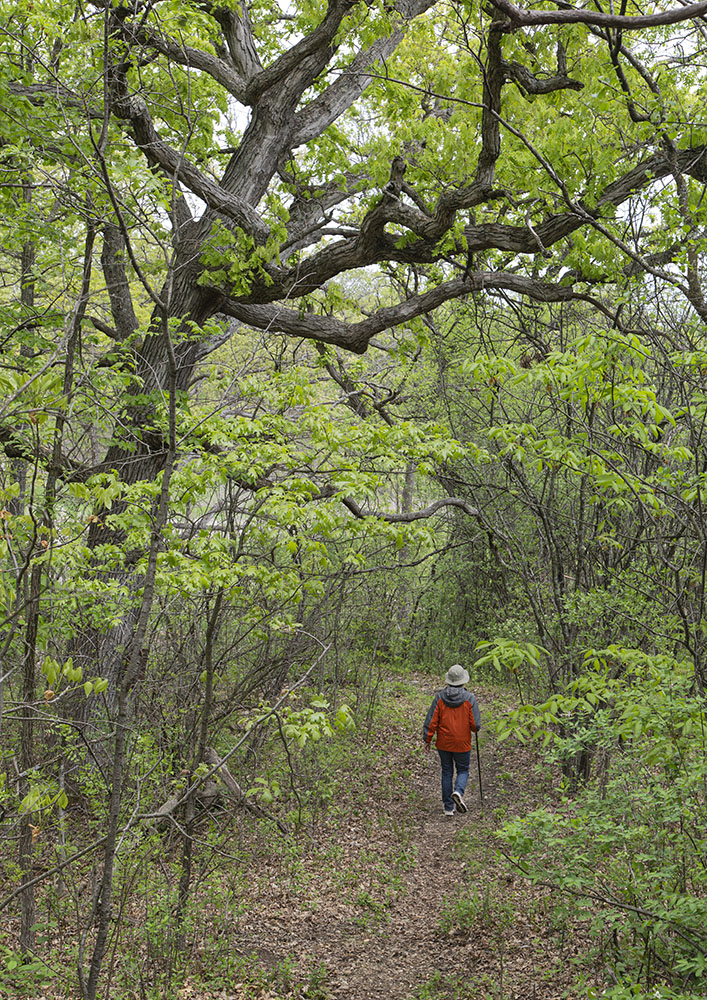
x: 454, y: 716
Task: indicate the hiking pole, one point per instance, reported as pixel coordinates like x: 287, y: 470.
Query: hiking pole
x: 478, y: 764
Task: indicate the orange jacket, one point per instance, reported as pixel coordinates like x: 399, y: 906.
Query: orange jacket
x: 454, y: 716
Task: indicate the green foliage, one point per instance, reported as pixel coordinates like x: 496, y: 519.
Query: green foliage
x: 471, y: 909
x: 624, y: 693
x: 627, y: 848
x: 309, y: 723
x: 310, y: 735
x: 509, y: 655
x: 312, y: 723
x: 442, y: 986
x: 633, y: 991
x: 281, y: 980
x: 575, y: 430
x: 236, y: 261
x: 22, y: 975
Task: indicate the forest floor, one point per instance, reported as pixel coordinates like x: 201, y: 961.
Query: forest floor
x: 387, y: 897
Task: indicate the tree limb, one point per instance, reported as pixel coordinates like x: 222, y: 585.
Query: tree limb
x: 539, y: 85
x: 301, y: 64
x: 372, y: 244
x: 356, y: 336
x: 519, y: 17
x: 321, y: 112
x: 238, y: 33
x: 237, y: 793
x: 413, y: 515
x: 188, y: 56
x: 117, y: 284
x: 134, y: 109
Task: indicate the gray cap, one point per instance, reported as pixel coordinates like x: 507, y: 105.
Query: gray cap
x: 456, y: 675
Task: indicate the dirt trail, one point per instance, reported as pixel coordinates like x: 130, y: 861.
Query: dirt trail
x: 393, y: 959
x: 384, y: 873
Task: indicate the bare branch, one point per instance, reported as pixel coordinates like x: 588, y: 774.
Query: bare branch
x: 413, y: 515
x: 311, y: 121
x: 356, y: 336
x: 188, y: 56
x: 519, y: 17
x: 539, y: 85
x: 237, y: 793
x: 134, y: 109
x: 62, y: 467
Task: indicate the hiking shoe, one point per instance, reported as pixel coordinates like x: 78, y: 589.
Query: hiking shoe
x: 461, y: 807
x: 448, y: 812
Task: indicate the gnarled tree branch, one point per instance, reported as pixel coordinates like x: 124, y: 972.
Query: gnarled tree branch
x: 413, y: 515
x: 520, y: 17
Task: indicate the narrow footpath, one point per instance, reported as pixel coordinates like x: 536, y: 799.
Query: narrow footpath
x: 393, y: 899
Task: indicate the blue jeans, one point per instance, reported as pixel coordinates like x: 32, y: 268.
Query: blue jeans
x: 448, y: 759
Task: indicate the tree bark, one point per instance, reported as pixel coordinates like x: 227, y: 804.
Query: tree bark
x: 29, y: 671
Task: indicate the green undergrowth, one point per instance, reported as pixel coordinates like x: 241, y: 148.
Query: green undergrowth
x: 333, y: 790
x: 442, y: 986
x: 347, y: 796
x: 624, y: 847
x: 470, y: 908
x: 256, y: 979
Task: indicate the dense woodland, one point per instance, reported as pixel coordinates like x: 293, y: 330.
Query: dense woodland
x: 343, y: 341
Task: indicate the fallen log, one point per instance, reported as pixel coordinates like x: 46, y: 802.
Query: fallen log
x: 237, y: 793
x: 234, y: 791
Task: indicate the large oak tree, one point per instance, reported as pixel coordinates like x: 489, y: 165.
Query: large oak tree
x: 462, y: 150
x: 173, y: 172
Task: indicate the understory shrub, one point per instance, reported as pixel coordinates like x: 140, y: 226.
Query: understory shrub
x: 629, y: 846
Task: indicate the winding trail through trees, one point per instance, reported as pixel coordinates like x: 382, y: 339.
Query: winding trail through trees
x: 392, y: 899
